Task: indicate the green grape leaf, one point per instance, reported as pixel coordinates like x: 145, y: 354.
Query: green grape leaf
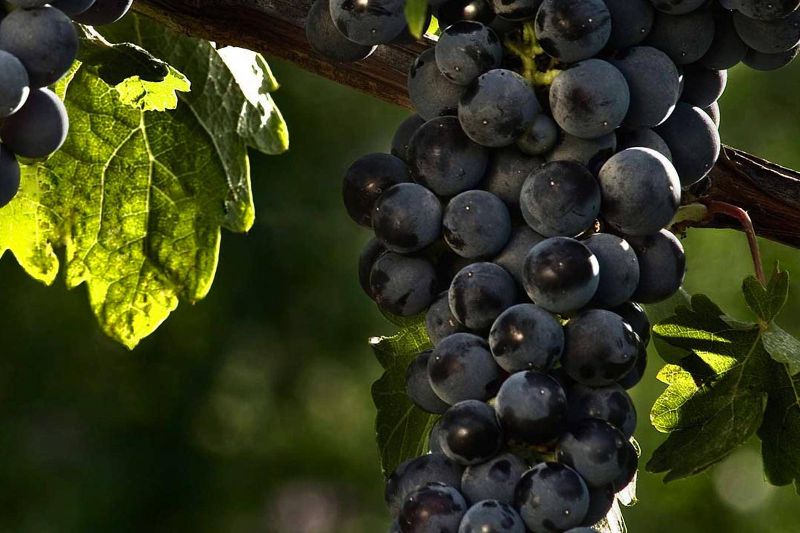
x: 402, y: 428
x: 714, y: 399
x: 115, y: 63
x: 137, y: 198
x: 739, y: 379
x: 416, y: 16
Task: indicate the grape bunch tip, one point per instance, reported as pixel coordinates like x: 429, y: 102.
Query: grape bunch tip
x: 525, y: 209
x: 38, y: 45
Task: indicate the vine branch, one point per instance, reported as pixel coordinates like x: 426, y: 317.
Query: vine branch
x: 769, y: 193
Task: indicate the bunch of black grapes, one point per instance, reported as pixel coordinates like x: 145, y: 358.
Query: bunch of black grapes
x: 38, y: 44
x: 523, y: 210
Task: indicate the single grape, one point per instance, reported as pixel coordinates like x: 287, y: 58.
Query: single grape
x: 104, y: 12
x: 561, y: 275
x: 369, y: 22
x: 611, y: 404
x: 636, y: 316
x: 72, y: 8
x: 761, y: 61
x: 491, y: 516
x: 641, y: 191
x: 402, y: 137
x: 677, y: 7
x: 643, y: 138
x: 430, y: 92
x: 532, y: 407
x: 596, y: 450
x: 619, y: 269
x: 631, y: 21
x: 497, y: 109
x: 540, y: 137
x: 662, y: 264
x: 684, y: 38
x: 466, y: 50
x: 440, y: 322
x: 479, y: 293
x: 573, y: 30
x: 39, y: 128
x: 654, y: 83
x: 701, y: 86
x: 433, y: 508
x: 727, y: 49
x: 403, y: 286
x: 512, y: 258
x: 418, y: 472
x: 526, y: 337
x: 451, y: 11
x: 495, y: 479
x: 591, y: 153
x: 407, y: 218
x: 769, y: 37
x: 552, y: 497
x: 601, y: 500
x: 561, y: 198
x: 369, y: 254
x: 14, y: 85
x: 462, y: 368
x: 43, y: 39
x: 589, y: 99
x: 366, y: 180
x: 326, y: 39
x: 630, y: 465
x: 470, y: 433
x: 9, y: 176
x: 694, y: 141
x: 418, y: 386
x: 634, y: 377
x: 600, y: 348
x: 476, y: 224
x: 444, y: 159
x: 508, y: 170
x: 767, y: 9
x: 516, y: 9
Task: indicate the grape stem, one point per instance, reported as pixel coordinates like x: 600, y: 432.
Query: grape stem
x: 716, y: 207
x: 528, y: 50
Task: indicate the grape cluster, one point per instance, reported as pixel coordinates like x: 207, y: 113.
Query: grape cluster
x: 523, y: 210
x: 38, y: 44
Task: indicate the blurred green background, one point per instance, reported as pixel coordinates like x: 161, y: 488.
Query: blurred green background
x: 251, y: 411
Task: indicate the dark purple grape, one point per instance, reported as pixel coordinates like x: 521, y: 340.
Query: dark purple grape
x: 326, y: 39
x: 470, y: 433
x: 403, y: 286
x: 495, y: 479
x: 573, y: 30
x: 532, y: 407
x: 433, y: 508
x: 9, y: 176
x: 430, y: 92
x: 636, y: 316
x: 39, y: 128
x: 552, y: 497
x: 466, y: 50
x: 662, y: 264
x: 402, y: 137
x: 601, y: 500
x: 15, y: 87
x: 104, y: 12
x: 611, y: 404
x: 600, y: 348
x: 407, y: 218
x: 619, y: 269
x: 596, y: 450
x: 526, y: 337
x: 439, y: 320
x: 369, y: 254
x: 462, y: 368
x: 476, y: 224
x: 508, y: 170
x: 512, y: 258
x: 479, y: 293
x: 634, y: 377
x: 491, y: 516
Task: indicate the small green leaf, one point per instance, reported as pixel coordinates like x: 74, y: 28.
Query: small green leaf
x: 767, y: 302
x: 417, y: 16
x: 783, y: 348
x: 715, y: 398
x: 402, y: 428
